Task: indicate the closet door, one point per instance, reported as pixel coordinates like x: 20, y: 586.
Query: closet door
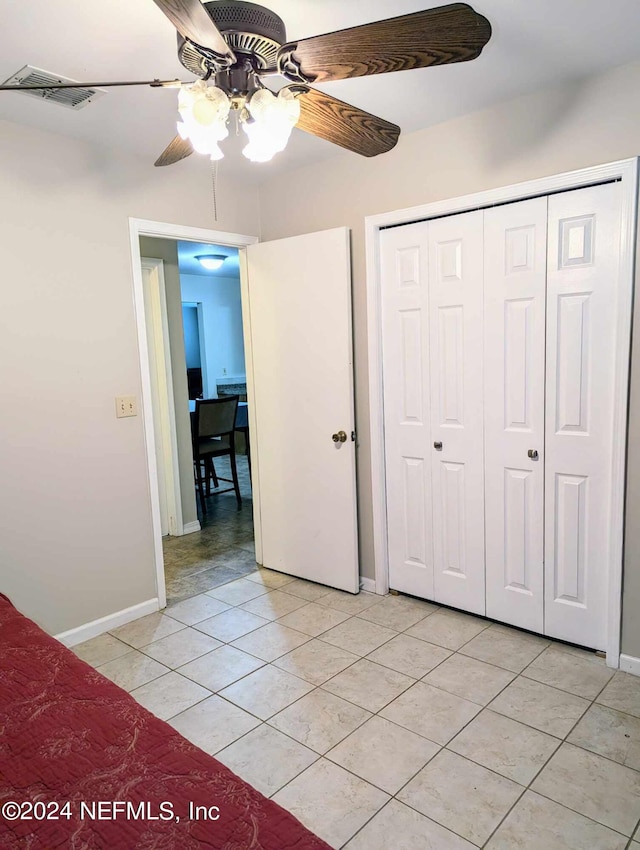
x: 514, y: 356
x: 403, y: 255
x: 582, y: 284
x: 455, y: 317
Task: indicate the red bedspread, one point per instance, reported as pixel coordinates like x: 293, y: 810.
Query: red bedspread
x: 70, y: 736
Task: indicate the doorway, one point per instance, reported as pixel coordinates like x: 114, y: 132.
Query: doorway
x: 223, y: 549
x: 213, y: 546
x: 204, y: 329
x: 206, y: 349
x: 299, y: 392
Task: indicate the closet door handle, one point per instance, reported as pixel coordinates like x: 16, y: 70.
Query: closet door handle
x: 437, y: 446
x: 533, y: 454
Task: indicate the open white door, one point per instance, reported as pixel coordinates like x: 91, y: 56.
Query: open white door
x: 299, y: 293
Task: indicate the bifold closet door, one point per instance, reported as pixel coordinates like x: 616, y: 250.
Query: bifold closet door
x: 405, y: 343
x: 432, y: 370
x: 455, y: 247
x: 582, y: 284
x: 514, y: 358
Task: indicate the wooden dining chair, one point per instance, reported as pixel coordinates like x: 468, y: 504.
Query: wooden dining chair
x: 213, y: 436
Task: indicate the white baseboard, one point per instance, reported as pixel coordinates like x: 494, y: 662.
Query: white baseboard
x: 105, y: 624
x: 630, y: 664
x: 367, y: 584
x: 190, y: 527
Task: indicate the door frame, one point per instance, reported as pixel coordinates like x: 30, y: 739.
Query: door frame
x: 164, y: 230
x: 627, y: 172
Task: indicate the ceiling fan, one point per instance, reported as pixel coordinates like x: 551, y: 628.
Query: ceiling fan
x: 236, y: 44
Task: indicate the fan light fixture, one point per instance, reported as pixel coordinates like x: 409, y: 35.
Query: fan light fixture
x: 267, y: 119
x: 234, y: 44
x: 211, y: 262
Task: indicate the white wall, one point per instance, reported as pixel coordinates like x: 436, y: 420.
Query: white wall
x: 75, y: 537
x: 545, y: 133
x: 222, y: 324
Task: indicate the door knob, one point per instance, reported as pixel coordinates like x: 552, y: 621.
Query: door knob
x: 533, y: 454
x: 340, y: 437
x: 437, y: 446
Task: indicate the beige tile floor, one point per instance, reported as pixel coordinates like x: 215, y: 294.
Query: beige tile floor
x: 389, y: 723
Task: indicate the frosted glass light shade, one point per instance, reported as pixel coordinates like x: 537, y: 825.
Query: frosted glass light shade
x: 204, y: 111
x: 273, y: 117
x: 267, y: 118
x: 211, y: 262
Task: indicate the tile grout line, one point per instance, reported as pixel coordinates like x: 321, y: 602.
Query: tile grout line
x: 265, y: 722
x: 581, y: 814
x: 442, y: 747
x: 365, y: 657
x: 592, y: 701
x: 280, y: 732
x: 360, y: 658
x: 368, y: 821
x: 529, y: 787
x: 487, y: 707
x: 446, y: 747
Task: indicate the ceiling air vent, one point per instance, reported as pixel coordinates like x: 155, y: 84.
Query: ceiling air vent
x: 73, y: 98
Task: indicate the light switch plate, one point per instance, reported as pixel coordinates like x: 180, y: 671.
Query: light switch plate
x: 126, y: 405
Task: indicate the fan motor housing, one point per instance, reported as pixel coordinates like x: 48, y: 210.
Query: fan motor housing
x: 248, y: 29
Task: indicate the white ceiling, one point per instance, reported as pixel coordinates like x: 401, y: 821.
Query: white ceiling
x: 535, y: 43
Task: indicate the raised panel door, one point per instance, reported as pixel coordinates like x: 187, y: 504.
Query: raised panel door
x: 514, y: 355
x: 403, y: 255
x: 299, y: 299
x: 457, y: 455
x: 582, y: 292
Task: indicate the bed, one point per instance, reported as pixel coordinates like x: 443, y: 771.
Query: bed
x: 82, y: 765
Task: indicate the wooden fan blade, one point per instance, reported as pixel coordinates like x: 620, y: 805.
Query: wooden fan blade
x: 343, y: 124
x: 192, y: 21
x: 454, y: 33
x: 176, y: 150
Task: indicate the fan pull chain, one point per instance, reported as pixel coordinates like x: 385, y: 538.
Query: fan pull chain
x: 214, y: 187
